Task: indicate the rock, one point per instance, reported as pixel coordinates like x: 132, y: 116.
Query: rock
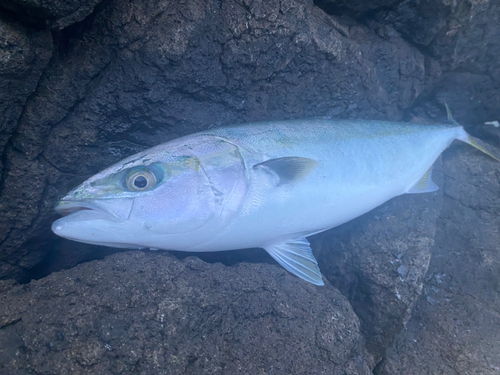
x: 353, y: 6
x: 24, y: 54
x: 455, y: 326
x: 136, y: 74
x: 56, y: 14
x: 464, y: 38
x: 461, y: 34
x: 379, y: 261
x: 149, y: 313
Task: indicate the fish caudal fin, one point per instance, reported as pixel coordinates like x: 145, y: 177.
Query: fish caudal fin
x: 296, y: 257
x: 475, y: 142
x: 480, y: 145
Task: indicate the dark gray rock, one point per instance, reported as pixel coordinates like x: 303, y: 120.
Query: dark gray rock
x: 464, y: 38
x: 56, y: 14
x: 134, y: 74
x: 24, y: 54
x: 455, y: 326
x: 145, y: 72
x: 379, y: 261
x: 354, y: 6
x: 148, y: 313
x: 461, y: 34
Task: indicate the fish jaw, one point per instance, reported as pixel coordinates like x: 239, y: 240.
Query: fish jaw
x: 99, y: 222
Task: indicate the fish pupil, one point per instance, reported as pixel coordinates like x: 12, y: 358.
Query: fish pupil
x: 140, y: 182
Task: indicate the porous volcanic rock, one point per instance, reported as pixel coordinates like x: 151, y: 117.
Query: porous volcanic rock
x: 139, y: 73
x: 379, y: 261
x: 149, y: 313
x: 455, y: 327
x: 56, y: 14
x: 464, y: 38
x: 24, y: 54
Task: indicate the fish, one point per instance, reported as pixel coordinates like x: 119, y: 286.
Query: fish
x: 263, y: 185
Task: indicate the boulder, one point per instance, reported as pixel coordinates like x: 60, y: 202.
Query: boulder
x: 24, y: 55
x: 149, y: 313
x: 55, y: 14
x: 379, y: 262
x: 136, y: 74
x: 455, y: 325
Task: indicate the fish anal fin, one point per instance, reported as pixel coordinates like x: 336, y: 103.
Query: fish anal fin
x: 425, y: 184
x: 289, y: 169
x: 296, y: 257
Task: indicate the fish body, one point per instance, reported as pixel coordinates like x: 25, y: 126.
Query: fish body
x: 268, y: 184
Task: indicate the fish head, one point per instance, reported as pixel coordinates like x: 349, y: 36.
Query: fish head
x: 173, y: 196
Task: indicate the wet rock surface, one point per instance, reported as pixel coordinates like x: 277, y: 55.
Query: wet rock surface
x: 149, y: 313
x: 137, y: 74
x: 56, y: 14
x: 24, y: 54
x: 84, y: 84
x: 456, y: 325
x: 379, y: 262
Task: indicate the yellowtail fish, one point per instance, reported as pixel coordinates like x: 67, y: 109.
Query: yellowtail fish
x: 268, y: 185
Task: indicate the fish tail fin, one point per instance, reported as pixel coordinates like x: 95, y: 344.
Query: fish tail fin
x: 473, y: 141
x: 480, y: 145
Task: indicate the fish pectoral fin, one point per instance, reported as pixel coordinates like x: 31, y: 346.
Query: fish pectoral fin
x: 296, y: 257
x: 289, y: 169
x: 425, y: 184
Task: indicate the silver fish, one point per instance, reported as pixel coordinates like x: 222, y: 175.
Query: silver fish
x: 268, y: 185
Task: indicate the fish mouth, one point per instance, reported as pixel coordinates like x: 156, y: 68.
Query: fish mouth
x: 85, y: 209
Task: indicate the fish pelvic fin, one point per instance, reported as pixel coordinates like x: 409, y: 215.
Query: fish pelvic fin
x: 296, y: 257
x: 425, y: 184
x: 480, y: 145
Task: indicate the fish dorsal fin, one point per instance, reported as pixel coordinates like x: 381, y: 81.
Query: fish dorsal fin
x: 289, y: 169
x: 449, y: 115
x: 425, y: 184
x: 296, y: 257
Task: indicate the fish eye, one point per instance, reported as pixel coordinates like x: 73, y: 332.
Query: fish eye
x: 141, y: 180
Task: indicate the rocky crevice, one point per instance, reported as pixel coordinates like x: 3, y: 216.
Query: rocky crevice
x: 84, y: 85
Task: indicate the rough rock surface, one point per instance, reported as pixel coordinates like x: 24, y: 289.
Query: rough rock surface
x: 148, y: 313
x: 455, y: 327
x: 56, y: 14
x: 464, y: 37
x: 24, y: 54
x: 128, y: 75
x: 135, y: 74
x: 379, y: 262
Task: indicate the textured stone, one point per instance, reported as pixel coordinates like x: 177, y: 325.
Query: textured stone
x: 455, y: 326
x: 24, y: 54
x: 136, y: 74
x: 464, y: 38
x: 148, y: 313
x: 56, y: 14
x: 379, y: 262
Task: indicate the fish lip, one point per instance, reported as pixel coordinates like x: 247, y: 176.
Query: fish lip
x: 67, y: 207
